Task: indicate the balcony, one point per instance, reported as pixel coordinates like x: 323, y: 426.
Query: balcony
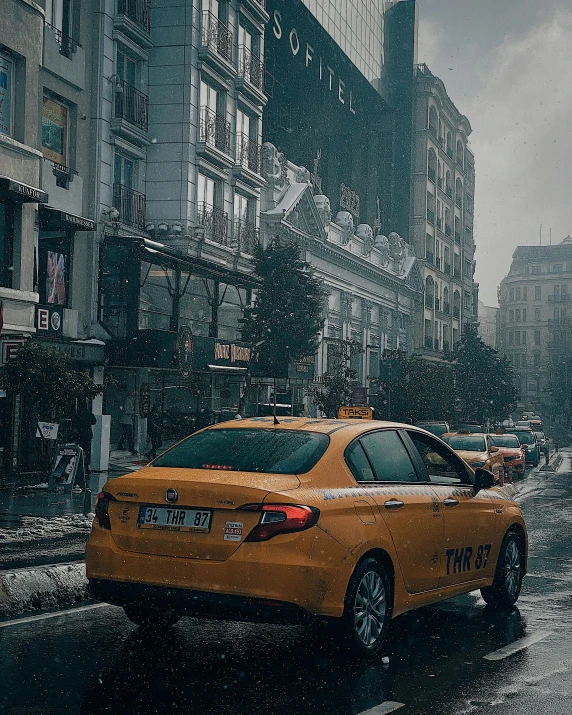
x: 134, y: 20
x: 431, y: 217
x: 131, y: 206
x: 248, y: 160
x: 214, y: 137
x: 131, y: 113
x: 214, y: 222
x: 250, y: 78
x: 431, y: 174
x: 63, y: 56
x: 216, y: 44
x: 247, y: 237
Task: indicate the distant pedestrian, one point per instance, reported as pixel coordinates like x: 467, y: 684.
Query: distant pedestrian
x: 127, y: 418
x: 83, y: 427
x: 154, y: 432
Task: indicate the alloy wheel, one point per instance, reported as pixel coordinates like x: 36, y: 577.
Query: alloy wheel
x: 512, y: 568
x: 370, y: 608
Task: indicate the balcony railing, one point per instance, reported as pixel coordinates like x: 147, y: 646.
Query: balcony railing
x: 431, y: 173
x: 130, y: 204
x: 248, y: 153
x: 216, y: 36
x: 559, y: 298
x: 214, y: 130
x: 214, y: 221
x: 131, y: 105
x: 247, y: 236
x: 250, y: 67
x: 139, y: 11
x: 67, y: 44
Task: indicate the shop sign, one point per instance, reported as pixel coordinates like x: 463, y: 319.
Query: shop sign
x: 231, y: 352
x: 223, y: 353
x: 144, y: 400
x: 47, y: 430
x: 185, y: 351
x: 355, y: 413
x: 6, y: 98
x: 9, y: 350
x: 79, y: 352
x: 80, y: 221
x: 69, y: 467
x: 359, y: 396
x: 49, y: 319
x: 54, y: 131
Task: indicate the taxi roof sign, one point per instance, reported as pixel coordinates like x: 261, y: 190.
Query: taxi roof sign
x: 355, y: 413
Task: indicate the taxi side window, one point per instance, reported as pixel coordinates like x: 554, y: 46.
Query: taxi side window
x: 359, y: 463
x: 442, y: 466
x: 388, y: 457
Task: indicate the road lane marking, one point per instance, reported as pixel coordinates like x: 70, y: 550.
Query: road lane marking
x: 518, y: 645
x: 55, y: 614
x: 387, y: 706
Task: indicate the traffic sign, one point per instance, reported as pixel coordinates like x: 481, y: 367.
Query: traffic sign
x: 355, y: 413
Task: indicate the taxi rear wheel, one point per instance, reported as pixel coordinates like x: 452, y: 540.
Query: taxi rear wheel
x: 151, y: 617
x: 367, y: 610
x: 508, y: 575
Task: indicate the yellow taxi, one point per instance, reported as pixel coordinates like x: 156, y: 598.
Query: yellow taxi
x: 512, y: 452
x: 478, y: 450
x: 351, y: 522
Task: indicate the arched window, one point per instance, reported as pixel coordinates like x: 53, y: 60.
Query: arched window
x: 432, y: 165
x: 460, y: 153
x: 446, y: 304
x: 456, y: 304
x: 429, y: 292
x: 433, y: 121
x: 459, y: 193
x: 449, y: 144
x: 448, y: 187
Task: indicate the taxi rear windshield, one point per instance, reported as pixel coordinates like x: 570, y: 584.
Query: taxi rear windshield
x: 247, y: 450
x: 525, y: 437
x: 471, y: 444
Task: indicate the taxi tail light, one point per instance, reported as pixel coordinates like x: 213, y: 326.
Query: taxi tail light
x: 281, y: 519
x: 102, y: 509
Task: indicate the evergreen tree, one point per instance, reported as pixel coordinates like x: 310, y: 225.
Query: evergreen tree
x: 484, y: 381
x: 287, y: 315
x: 336, y: 387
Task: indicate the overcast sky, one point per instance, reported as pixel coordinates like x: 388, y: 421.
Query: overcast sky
x: 507, y: 65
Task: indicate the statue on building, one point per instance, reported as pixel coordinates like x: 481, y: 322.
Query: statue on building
x: 271, y: 168
x: 381, y: 242
x: 303, y: 175
x: 345, y: 221
x: 324, y: 209
x: 396, y: 247
x: 365, y: 232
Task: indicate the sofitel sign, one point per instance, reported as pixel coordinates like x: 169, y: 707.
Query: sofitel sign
x: 315, y: 63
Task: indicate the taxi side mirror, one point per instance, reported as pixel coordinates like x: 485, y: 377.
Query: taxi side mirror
x: 525, y: 446
x: 483, y: 479
x: 493, y: 448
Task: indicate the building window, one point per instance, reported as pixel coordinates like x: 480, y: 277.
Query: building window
x: 523, y: 337
x: 517, y: 295
x: 537, y: 314
x: 537, y: 292
x: 517, y: 315
x: 55, y: 120
x: 510, y: 337
x: 130, y: 203
x: 432, y: 165
x: 557, y: 268
x: 209, y: 215
x: 59, y: 16
x: 511, y: 316
x: 6, y: 95
x: 537, y: 337
x: 524, y: 315
x: 6, y: 244
x: 535, y: 270
x: 156, y: 297
x: 511, y: 295
x: 245, y: 231
x: 536, y: 360
x: 525, y: 293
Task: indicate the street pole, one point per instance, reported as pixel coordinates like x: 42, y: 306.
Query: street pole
x: 389, y: 391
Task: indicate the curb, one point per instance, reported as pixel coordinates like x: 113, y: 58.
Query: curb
x: 554, y: 464
x: 43, y: 587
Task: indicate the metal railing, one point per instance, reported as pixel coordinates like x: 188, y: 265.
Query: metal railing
x: 131, y: 104
x: 139, y: 11
x: 250, y: 67
x: 214, y: 221
x: 67, y: 44
x: 247, y: 236
x: 214, y: 130
x: 559, y: 298
x: 248, y: 153
x: 216, y: 36
x: 130, y: 204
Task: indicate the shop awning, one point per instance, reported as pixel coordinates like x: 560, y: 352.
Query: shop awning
x: 227, y: 368
x: 149, y: 250
x: 51, y: 218
x: 22, y: 192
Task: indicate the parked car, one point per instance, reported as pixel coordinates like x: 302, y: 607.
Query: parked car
x: 526, y: 437
x: 511, y: 450
x: 478, y: 450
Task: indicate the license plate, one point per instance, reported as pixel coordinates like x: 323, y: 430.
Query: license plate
x: 171, y: 519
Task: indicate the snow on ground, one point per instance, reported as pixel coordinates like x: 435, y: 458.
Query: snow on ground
x: 32, y: 528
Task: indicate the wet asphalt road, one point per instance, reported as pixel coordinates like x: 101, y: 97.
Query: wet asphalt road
x: 94, y: 661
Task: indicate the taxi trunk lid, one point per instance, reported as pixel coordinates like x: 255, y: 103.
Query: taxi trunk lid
x: 209, y: 500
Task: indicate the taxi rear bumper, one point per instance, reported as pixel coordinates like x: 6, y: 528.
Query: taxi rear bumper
x: 201, y: 604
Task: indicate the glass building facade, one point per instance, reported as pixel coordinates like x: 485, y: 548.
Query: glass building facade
x: 357, y: 28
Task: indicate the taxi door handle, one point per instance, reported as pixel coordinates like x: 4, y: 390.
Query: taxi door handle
x: 393, y: 504
x: 450, y: 502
